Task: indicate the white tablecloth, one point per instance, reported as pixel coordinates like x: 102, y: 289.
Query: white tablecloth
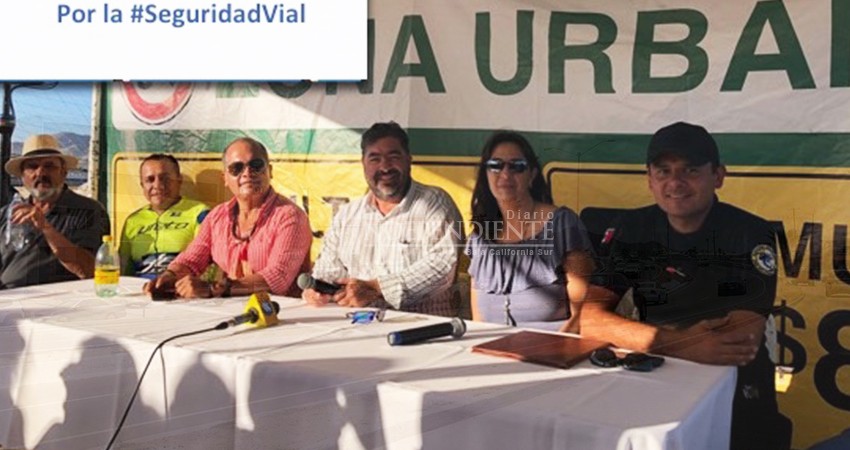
x: 70, y: 361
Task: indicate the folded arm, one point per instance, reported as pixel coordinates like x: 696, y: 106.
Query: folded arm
x: 730, y: 340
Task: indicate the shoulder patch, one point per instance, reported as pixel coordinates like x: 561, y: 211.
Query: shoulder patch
x: 203, y: 215
x: 608, y: 236
x: 764, y: 259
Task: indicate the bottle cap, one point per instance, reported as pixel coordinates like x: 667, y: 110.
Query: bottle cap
x: 107, y: 238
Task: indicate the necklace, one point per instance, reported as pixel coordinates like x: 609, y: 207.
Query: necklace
x: 234, y: 220
x: 234, y: 227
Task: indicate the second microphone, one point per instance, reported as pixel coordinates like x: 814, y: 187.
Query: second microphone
x: 306, y: 281
x: 456, y: 328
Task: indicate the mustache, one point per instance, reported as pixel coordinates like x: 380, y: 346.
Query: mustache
x: 381, y: 173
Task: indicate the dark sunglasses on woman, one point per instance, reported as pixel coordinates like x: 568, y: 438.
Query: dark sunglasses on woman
x: 496, y: 165
x: 255, y: 165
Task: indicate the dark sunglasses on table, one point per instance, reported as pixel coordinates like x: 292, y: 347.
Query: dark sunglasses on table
x: 515, y: 166
x: 365, y: 316
x: 255, y: 165
x: 638, y: 362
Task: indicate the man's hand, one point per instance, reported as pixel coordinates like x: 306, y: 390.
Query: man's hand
x: 192, y: 287
x: 165, y: 281
x: 315, y: 298
x: 25, y: 213
x: 732, y: 340
x: 358, y: 293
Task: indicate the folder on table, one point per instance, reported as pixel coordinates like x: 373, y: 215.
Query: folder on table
x: 553, y: 350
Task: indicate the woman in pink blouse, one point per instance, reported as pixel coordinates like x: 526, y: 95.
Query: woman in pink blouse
x: 260, y: 239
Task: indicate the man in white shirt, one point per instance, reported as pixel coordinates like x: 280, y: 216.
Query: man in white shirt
x: 398, y: 245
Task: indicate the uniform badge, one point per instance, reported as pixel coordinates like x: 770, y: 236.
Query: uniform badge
x: 764, y: 259
x: 608, y: 236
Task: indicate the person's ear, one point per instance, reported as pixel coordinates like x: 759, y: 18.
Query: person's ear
x: 719, y: 175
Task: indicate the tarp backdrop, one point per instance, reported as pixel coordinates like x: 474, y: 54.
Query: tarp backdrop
x: 588, y: 83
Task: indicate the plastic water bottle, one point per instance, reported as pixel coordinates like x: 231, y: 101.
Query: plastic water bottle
x: 17, y: 235
x: 106, y: 271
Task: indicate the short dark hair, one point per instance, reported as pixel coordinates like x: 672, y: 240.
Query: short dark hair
x: 255, y: 145
x: 160, y: 157
x: 380, y: 130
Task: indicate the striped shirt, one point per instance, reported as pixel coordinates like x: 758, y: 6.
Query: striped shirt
x: 278, y: 248
x: 412, y: 251
x: 81, y: 220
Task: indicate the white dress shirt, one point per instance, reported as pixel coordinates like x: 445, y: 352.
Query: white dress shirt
x: 412, y: 251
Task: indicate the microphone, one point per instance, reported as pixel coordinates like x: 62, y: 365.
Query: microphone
x: 306, y: 281
x: 260, y: 311
x: 456, y: 328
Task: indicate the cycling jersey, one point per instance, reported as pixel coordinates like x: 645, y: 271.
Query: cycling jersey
x: 150, y: 241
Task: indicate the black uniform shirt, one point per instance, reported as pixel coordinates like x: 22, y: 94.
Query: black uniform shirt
x: 680, y: 279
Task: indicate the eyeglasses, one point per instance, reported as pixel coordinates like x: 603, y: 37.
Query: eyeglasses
x: 366, y: 316
x: 638, y: 362
x: 255, y: 165
x: 515, y: 166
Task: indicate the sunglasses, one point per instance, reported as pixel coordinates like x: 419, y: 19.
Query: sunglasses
x: 515, y: 166
x: 365, y: 316
x: 255, y: 165
x: 638, y: 362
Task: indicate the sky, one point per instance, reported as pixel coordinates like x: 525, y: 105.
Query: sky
x: 66, y: 107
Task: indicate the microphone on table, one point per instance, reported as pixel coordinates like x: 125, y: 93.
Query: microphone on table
x: 306, y: 281
x: 260, y: 311
x: 456, y: 328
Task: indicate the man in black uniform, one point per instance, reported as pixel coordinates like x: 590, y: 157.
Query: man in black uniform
x: 702, y: 275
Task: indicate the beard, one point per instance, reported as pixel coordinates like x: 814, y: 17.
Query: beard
x: 390, y: 191
x: 41, y: 192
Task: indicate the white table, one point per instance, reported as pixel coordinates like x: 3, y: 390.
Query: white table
x: 70, y: 361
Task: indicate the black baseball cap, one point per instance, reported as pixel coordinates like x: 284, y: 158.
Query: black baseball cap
x: 688, y: 141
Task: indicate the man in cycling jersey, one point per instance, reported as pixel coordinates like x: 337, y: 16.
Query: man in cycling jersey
x: 154, y: 234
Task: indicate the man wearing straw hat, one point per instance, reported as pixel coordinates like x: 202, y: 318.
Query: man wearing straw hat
x: 65, y: 228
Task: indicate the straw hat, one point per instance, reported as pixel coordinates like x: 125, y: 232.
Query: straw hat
x: 39, y: 146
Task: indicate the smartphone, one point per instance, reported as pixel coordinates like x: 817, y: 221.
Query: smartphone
x: 163, y: 295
